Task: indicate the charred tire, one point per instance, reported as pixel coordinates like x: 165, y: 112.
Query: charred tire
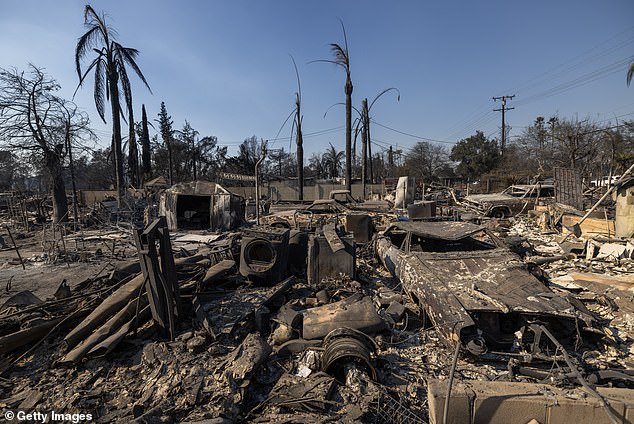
x: 499, y: 213
x: 347, y: 345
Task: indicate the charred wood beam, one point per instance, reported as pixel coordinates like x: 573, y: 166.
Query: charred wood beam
x: 160, y: 275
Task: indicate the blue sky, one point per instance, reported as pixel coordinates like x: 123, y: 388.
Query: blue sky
x: 225, y: 65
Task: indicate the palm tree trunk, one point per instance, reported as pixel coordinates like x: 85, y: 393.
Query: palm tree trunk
x: 364, y: 158
x: 300, y: 157
x: 348, y: 91
x: 116, y: 133
x: 370, y: 149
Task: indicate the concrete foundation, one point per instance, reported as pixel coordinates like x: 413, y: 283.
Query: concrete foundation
x: 476, y: 402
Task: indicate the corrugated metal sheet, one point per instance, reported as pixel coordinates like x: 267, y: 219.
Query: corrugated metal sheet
x: 226, y: 209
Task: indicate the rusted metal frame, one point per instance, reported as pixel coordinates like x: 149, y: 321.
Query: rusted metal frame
x: 330, y: 232
x: 161, y: 279
x: 439, y: 303
x: 609, y: 410
x: 258, y: 307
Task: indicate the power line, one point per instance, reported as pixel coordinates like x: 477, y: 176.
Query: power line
x: 272, y: 140
x: 579, y: 60
x: 606, y: 47
x: 412, y: 135
x: 579, y: 81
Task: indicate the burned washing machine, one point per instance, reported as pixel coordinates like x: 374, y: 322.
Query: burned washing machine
x: 264, y: 254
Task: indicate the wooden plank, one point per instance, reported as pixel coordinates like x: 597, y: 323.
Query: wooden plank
x: 625, y: 282
x: 590, y: 227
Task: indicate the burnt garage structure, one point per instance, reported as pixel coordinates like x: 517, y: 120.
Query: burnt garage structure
x: 201, y: 205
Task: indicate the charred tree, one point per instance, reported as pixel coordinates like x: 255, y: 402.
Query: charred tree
x: 38, y: 125
x: 145, y: 147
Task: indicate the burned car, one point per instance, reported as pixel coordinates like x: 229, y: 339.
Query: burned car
x: 308, y: 217
x: 511, y: 201
x: 345, y: 198
x: 326, y: 211
x: 473, y: 289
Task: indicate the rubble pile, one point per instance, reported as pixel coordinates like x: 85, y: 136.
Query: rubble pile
x: 248, y: 364
x: 271, y: 324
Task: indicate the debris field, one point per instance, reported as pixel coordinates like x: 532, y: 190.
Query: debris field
x: 331, y: 312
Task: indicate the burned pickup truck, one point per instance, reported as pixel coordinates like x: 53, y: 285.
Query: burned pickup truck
x: 511, y: 201
x: 345, y: 198
x: 474, y: 290
x: 363, y: 223
x: 309, y: 217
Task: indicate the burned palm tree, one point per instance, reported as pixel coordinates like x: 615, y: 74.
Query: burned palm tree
x: 297, y: 123
x: 111, y: 77
x: 296, y: 131
x: 342, y: 59
x: 362, y: 125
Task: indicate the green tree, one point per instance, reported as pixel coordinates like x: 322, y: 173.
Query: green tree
x: 111, y: 77
x: 95, y: 172
x: 244, y: 162
x: 189, y: 136
x: 280, y: 163
x: 211, y: 158
x: 133, y: 151
x: 476, y: 156
x: 167, y: 134
x: 332, y: 161
x: 316, y: 166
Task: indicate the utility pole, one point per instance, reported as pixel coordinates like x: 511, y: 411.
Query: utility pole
x: 503, y: 109
x: 257, y: 182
